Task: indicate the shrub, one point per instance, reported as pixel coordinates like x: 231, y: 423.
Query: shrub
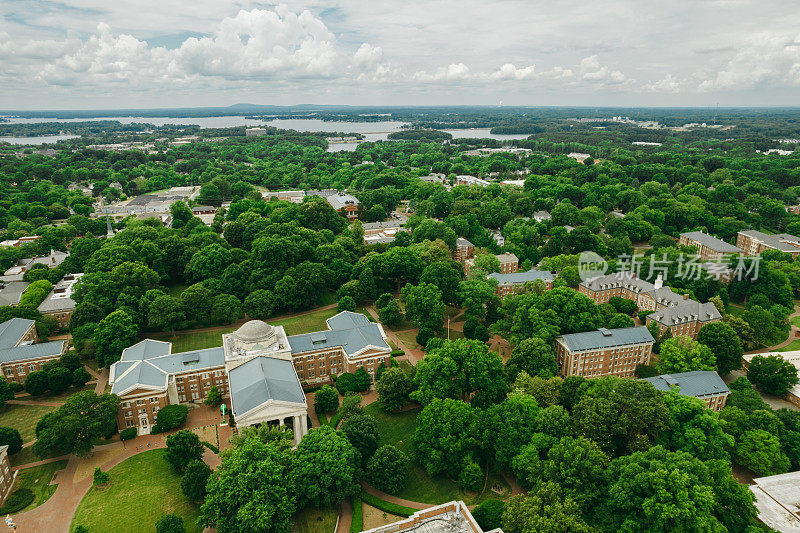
x: 387, y: 470
x: 80, y: 377
x: 80, y: 529
x: 19, y: 499
x: 346, y: 383
x: 397, y: 353
x: 100, y: 477
x: 210, y: 446
x: 346, y: 303
x: 489, y: 513
x: 11, y: 438
x: 357, y: 522
x: 36, y: 383
x: 386, y: 507
x: 471, y: 476
x: 170, y: 417
x: 645, y: 371
x: 326, y: 400
x: 16, y: 387
x: 170, y: 523
x: 128, y: 434
x: 424, y: 335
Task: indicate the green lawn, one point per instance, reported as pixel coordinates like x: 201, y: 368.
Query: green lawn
x: 409, y: 338
x: 795, y: 321
x: 311, y: 520
x: 141, y: 490
x: 397, y: 429
x: 314, y: 321
x: 23, y: 418
x: 734, y: 310
x: 38, y: 479
x: 62, y: 397
x: 24, y: 456
x: 779, y: 337
x: 794, y: 345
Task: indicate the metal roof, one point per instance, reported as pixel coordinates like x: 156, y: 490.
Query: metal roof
x: 518, y: 278
x: 32, y: 351
x: 12, y: 292
x: 352, y: 331
x: 718, y: 245
x: 687, y: 311
x: 12, y: 331
x: 605, y: 338
x: 698, y: 383
x: 461, y: 241
x: 262, y: 379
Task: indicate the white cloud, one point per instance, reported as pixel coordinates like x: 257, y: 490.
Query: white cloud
x: 592, y: 70
x: 765, y: 58
x: 510, y: 72
x: 667, y: 84
x: 452, y: 72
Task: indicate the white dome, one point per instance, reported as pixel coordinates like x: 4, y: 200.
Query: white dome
x: 254, y: 330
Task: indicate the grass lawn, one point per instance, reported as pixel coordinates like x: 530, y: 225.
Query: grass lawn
x: 311, y: 520
x: 409, y: 338
x: 142, y: 489
x: 779, y: 337
x: 24, y: 456
x: 23, y: 418
x: 406, y: 366
x: 795, y: 321
x: 794, y: 345
x: 48, y: 397
x: 734, y: 310
x: 38, y: 479
x: 314, y: 321
x: 397, y: 429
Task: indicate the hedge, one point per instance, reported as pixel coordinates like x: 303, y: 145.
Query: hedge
x: 128, y: 434
x: 357, y: 523
x: 397, y: 353
x: 209, y: 446
x: 387, y: 507
x: 170, y: 417
x: 19, y: 500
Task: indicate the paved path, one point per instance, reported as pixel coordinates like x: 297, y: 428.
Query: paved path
x: 35, y: 402
x: 413, y: 355
x: 369, y: 489
x: 345, y: 517
x: 102, y: 381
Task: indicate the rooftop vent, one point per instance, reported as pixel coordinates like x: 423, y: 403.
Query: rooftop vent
x: 191, y: 357
x: 606, y: 332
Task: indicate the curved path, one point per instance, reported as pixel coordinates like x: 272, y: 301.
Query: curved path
x: 793, y: 335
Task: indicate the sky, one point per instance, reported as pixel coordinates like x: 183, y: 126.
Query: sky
x: 92, y: 54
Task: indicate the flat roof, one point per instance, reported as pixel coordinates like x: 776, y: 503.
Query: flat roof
x: 778, y: 501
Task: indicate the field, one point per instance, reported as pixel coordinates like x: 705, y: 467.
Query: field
x: 141, y: 490
x: 397, y: 429
x: 38, y: 479
x: 23, y: 418
x: 295, y: 325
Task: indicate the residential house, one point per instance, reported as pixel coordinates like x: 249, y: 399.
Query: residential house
x: 703, y: 384
x: 603, y: 352
x: 541, y: 216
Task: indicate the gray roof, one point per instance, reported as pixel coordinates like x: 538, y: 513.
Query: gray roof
x: 382, y: 225
x: 463, y: 242
x: 665, y: 296
x: 605, y: 338
x: 616, y: 280
x: 698, y: 383
x: 12, y: 292
x: 712, y: 242
x: 688, y: 311
x: 781, y: 241
x: 542, y: 215
x: 12, y: 331
x: 262, y: 379
x: 352, y: 331
x: 518, y: 278
x: 337, y: 200
x: 32, y: 351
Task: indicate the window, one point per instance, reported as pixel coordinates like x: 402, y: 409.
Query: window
x: 125, y: 404
x: 180, y: 379
x: 139, y: 402
x: 153, y: 400
x: 32, y: 367
x: 194, y: 386
x: 9, y: 371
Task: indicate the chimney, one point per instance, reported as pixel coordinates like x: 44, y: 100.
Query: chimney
x: 685, y: 296
x: 659, y: 282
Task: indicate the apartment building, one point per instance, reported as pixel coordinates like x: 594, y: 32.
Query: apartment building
x: 703, y: 384
x: 20, y: 352
x: 59, y: 303
x: 513, y: 282
x: 258, y: 368
x: 709, y: 248
x: 464, y: 250
x: 754, y: 242
x: 685, y: 318
x: 603, y: 352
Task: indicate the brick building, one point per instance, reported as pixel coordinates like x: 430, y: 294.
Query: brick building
x: 754, y: 242
x: 603, y: 352
x: 508, y: 263
x: 20, y: 354
x: 686, y: 318
x: 703, y: 384
x: 709, y: 248
x: 59, y: 303
x: 7, y: 475
x: 258, y: 368
x: 513, y: 282
x: 464, y: 250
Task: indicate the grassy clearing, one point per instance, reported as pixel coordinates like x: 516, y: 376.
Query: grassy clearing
x: 795, y: 321
x: 23, y: 418
x: 37, y: 479
x: 408, y: 338
x: 62, y: 397
x: 311, y: 520
x: 24, y: 456
x: 142, y: 489
x: 794, y: 345
x: 397, y: 429
x: 734, y: 310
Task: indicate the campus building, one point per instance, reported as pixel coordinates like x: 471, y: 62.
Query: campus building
x: 709, y: 248
x: 793, y: 356
x: 451, y: 517
x: 508, y: 263
x: 464, y: 250
x: 513, y: 282
x: 7, y: 475
x: 754, y: 242
x: 778, y: 501
x: 345, y: 204
x: 258, y: 368
x: 381, y: 232
x: 603, y: 352
x: 51, y: 260
x: 59, y: 303
x: 685, y: 318
x: 20, y: 352
x: 703, y: 384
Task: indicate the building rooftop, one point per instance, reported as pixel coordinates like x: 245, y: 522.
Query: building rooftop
x: 782, y: 241
x: 12, y: 292
x: 518, y: 278
x: 451, y: 517
x: 698, y: 383
x: 461, y: 242
x: 382, y: 225
x: 507, y: 258
x: 354, y: 332
x: 12, y: 331
x: 11, y: 334
x: 778, y: 501
x: 605, y: 338
x: 60, y: 298
x: 262, y: 379
x: 718, y: 245
x: 687, y: 311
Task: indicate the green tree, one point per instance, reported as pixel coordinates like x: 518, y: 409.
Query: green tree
x: 546, y: 510
x: 683, y: 354
x: 393, y: 388
x: 10, y: 437
x: 446, y: 275
x: 390, y: 314
x: 115, y: 332
x: 533, y: 356
x: 324, y: 468
x: 362, y: 432
x: 59, y: 379
x: 424, y: 306
x: 760, y: 452
x: 326, y: 400
x: 346, y: 303
x: 695, y: 429
x: 77, y: 424
x: 772, y: 374
x: 249, y: 492
x: 80, y: 377
x: 166, y: 313
x: 723, y: 341
x: 446, y: 434
x: 100, y: 477
x: 509, y: 426
x: 387, y: 469
x: 489, y: 514
x: 213, y: 397
x: 194, y: 479
x: 36, y: 383
x: 183, y: 447
x: 259, y: 304
x: 471, y: 476
x: 170, y: 523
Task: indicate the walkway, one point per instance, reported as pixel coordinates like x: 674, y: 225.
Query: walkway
x: 793, y: 335
x: 413, y: 355
x: 369, y: 489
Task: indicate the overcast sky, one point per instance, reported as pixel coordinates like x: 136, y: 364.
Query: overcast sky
x: 88, y: 54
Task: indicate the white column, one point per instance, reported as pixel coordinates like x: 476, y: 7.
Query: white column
x: 280, y: 421
x: 302, y: 427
